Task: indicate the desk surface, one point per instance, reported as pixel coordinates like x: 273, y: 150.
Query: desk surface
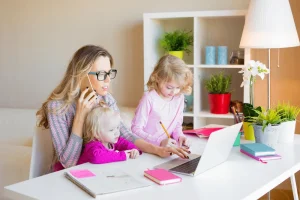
x: 240, y: 177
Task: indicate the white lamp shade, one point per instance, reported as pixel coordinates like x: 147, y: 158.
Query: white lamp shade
x: 269, y: 24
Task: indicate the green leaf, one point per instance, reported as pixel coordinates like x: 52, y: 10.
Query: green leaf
x: 218, y: 83
x: 179, y: 40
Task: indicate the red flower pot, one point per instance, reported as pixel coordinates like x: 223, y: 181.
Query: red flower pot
x: 219, y: 103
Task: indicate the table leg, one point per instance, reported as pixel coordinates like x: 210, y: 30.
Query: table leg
x: 294, y: 187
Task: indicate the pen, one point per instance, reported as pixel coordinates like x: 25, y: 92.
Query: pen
x: 164, y: 129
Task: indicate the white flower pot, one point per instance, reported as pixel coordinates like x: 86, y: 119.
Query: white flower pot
x: 268, y: 137
x: 287, y: 132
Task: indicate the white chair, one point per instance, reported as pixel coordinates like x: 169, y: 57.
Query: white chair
x: 42, y: 153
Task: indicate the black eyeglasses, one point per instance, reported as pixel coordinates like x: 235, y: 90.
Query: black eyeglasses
x: 102, y: 75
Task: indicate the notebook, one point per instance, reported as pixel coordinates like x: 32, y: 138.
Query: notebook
x: 162, y: 176
x: 205, y: 132
x: 258, y: 149
x: 262, y: 158
x: 102, y: 181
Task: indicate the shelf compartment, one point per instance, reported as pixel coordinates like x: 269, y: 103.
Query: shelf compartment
x: 211, y: 115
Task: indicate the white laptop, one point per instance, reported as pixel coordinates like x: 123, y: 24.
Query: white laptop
x: 216, y: 151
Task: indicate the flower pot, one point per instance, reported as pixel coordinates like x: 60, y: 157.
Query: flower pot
x: 287, y: 132
x: 219, y: 103
x: 269, y: 136
x: 178, y: 54
x: 248, y: 131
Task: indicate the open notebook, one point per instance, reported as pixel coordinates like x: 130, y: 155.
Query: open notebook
x: 103, y: 181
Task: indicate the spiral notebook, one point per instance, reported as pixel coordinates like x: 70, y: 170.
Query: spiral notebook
x: 103, y: 181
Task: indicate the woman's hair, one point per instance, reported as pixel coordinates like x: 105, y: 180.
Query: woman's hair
x: 68, y: 90
x: 96, y: 121
x: 170, y: 68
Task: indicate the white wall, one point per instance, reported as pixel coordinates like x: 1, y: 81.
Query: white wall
x: 38, y: 38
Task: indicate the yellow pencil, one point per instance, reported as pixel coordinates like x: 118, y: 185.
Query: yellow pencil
x: 164, y: 129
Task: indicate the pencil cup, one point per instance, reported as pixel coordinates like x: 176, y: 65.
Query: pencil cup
x: 222, y: 55
x: 210, y: 55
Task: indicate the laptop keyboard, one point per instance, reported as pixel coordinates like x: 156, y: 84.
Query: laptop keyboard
x: 188, y: 167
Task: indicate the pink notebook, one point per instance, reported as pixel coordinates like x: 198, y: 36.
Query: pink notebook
x: 162, y: 176
x: 202, y: 131
x: 262, y: 158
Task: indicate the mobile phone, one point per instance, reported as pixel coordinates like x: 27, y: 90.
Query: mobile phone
x: 90, y: 86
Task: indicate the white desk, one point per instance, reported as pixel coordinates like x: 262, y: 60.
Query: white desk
x: 240, y: 177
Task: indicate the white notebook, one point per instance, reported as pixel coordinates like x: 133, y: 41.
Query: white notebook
x: 103, y: 181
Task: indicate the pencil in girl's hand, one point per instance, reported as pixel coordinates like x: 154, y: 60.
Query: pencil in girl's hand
x: 164, y: 129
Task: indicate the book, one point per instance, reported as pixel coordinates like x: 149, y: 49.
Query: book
x: 205, y: 132
x: 258, y: 149
x: 262, y: 158
x: 102, y: 181
x: 162, y: 176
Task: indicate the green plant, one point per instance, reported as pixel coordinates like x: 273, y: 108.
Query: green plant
x: 218, y: 83
x: 287, y: 111
x: 249, y: 111
x: 179, y: 40
x: 266, y: 118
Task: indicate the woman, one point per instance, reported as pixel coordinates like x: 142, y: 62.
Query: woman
x: 85, y: 85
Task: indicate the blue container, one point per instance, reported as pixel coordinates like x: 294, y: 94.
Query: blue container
x: 222, y: 55
x: 210, y: 55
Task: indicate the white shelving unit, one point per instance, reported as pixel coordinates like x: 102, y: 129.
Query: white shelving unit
x: 215, y: 28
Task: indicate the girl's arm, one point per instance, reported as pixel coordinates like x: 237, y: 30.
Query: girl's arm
x: 125, y: 132
x: 179, y: 119
x: 67, y: 146
x: 124, y: 144
x: 98, y: 154
x: 140, y: 121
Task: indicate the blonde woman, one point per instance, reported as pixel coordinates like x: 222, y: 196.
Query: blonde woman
x: 84, y: 85
x: 163, y: 103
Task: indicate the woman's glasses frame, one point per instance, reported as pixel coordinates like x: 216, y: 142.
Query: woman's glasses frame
x: 109, y: 73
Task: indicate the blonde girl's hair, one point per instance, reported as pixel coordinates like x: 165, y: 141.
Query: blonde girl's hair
x: 170, y: 68
x: 95, y: 121
x: 68, y: 91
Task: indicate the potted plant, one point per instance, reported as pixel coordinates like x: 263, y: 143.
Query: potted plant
x: 249, y: 111
x: 250, y: 71
x: 289, y: 114
x: 266, y: 126
x: 177, y: 42
x: 219, y: 95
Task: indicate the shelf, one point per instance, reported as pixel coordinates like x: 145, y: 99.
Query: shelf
x: 188, y: 114
x: 210, y: 115
x: 217, y: 66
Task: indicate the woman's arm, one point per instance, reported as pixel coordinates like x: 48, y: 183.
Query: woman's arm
x: 160, y: 151
x: 67, y: 147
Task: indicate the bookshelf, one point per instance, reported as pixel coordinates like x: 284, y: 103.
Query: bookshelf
x: 216, y: 28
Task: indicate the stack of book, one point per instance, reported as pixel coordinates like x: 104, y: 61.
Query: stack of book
x: 259, y: 151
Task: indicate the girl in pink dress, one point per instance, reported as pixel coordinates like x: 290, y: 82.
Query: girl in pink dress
x: 101, y: 138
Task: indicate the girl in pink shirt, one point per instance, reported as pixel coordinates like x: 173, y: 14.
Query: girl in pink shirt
x: 164, y: 102
x: 101, y: 138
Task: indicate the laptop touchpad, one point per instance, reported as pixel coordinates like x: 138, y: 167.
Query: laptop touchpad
x: 175, y: 162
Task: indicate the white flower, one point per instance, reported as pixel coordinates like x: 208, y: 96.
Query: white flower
x: 252, y: 69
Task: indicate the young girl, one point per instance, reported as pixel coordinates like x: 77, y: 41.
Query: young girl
x: 164, y: 102
x: 101, y: 138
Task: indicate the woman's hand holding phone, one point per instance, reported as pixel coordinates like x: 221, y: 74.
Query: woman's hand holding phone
x: 84, y: 104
